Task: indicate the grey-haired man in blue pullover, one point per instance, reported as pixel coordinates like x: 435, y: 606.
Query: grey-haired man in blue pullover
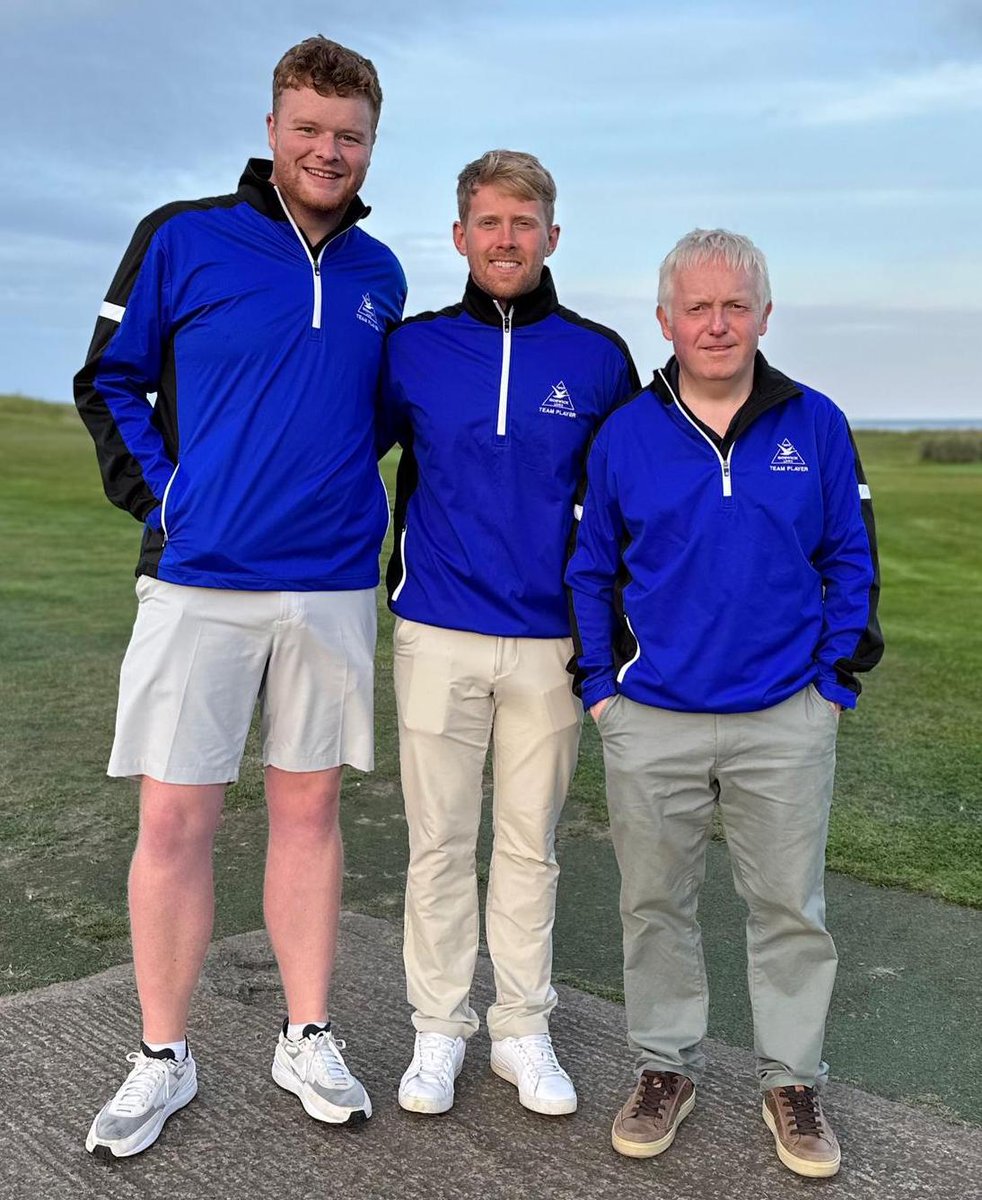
x: 724, y: 586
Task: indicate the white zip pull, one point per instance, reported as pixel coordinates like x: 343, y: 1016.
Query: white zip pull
x: 502, y: 426
x: 727, y: 480
x: 316, y: 319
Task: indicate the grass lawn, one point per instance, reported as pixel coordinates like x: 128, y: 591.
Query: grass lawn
x: 908, y: 809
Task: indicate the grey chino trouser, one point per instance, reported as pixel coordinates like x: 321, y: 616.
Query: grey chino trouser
x: 771, y: 773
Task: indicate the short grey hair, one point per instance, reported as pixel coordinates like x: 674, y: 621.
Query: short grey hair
x: 714, y: 245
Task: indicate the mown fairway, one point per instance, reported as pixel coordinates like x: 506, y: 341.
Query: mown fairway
x: 909, y: 802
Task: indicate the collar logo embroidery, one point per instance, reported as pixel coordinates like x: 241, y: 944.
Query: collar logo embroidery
x: 366, y: 312
x: 558, y: 403
x: 787, y: 458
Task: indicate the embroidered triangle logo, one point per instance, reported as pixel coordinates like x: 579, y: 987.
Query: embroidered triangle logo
x: 787, y: 458
x: 366, y: 312
x: 558, y: 402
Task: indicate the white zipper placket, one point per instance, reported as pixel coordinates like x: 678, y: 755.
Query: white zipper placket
x: 163, y: 502
x: 315, y: 263
x: 502, y: 426
x: 405, y: 566
x: 637, y: 652
x: 724, y: 463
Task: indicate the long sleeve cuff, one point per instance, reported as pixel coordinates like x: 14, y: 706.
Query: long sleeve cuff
x: 829, y: 688
x: 597, y: 690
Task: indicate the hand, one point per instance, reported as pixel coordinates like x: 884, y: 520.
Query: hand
x: 836, y: 707
x: 598, y: 708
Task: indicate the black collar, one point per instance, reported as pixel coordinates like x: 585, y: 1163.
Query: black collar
x: 256, y: 189
x: 769, y: 387
x: 525, y: 310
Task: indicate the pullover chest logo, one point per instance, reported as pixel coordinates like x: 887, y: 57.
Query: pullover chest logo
x: 558, y: 403
x: 787, y: 458
x: 366, y: 312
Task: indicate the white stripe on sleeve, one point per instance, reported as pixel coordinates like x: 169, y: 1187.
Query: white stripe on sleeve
x: 113, y: 312
x: 864, y: 492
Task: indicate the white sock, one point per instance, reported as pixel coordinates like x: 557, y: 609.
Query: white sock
x: 180, y: 1049
x: 294, y: 1030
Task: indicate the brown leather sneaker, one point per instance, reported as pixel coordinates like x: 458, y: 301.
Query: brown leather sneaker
x: 646, y: 1125
x: 803, y: 1137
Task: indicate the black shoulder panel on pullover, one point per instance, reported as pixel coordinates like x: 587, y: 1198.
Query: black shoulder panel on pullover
x: 574, y: 318
x: 121, y: 473
x: 451, y: 311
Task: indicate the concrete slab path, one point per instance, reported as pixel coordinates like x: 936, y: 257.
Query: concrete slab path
x: 61, y: 1054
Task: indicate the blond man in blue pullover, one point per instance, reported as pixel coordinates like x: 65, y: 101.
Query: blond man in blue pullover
x: 494, y: 401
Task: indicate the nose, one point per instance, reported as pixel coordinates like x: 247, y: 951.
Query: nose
x: 327, y: 147
x: 717, y: 321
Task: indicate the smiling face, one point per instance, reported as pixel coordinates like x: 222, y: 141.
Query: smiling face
x: 321, y: 146
x: 506, y: 240
x: 714, y: 321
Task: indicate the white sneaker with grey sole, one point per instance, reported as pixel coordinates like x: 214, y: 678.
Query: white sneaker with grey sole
x: 530, y: 1063
x: 133, y: 1118
x: 313, y: 1070
x: 428, y: 1084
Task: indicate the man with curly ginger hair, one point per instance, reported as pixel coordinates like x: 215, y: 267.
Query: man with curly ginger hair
x: 254, y: 476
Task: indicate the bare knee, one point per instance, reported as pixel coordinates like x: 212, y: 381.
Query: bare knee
x: 177, y: 822
x: 303, y: 805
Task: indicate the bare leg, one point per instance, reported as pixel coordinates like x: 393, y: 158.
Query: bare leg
x: 172, y: 901
x: 304, y: 868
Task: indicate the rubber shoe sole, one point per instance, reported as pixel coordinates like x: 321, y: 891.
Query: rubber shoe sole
x: 801, y: 1166
x: 107, y: 1151
x: 631, y: 1149
x: 546, y: 1108
x: 432, y: 1108
x: 332, y: 1114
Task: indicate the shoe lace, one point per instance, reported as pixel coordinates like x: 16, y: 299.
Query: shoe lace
x: 537, y: 1053
x: 655, y: 1089
x: 436, y: 1056
x: 806, y: 1113
x: 140, y: 1085
x: 327, y: 1060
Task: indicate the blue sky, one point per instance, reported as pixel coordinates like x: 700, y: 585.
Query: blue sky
x: 844, y: 138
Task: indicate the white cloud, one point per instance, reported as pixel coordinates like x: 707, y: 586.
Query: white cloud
x: 945, y: 87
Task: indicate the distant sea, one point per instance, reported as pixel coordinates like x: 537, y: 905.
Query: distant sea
x: 905, y: 426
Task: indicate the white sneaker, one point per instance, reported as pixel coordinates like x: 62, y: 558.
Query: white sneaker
x: 427, y: 1086
x: 312, y: 1069
x: 134, y: 1117
x: 530, y: 1063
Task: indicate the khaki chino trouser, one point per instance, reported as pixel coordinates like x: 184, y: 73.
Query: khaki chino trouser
x: 456, y: 692
x: 771, y: 773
